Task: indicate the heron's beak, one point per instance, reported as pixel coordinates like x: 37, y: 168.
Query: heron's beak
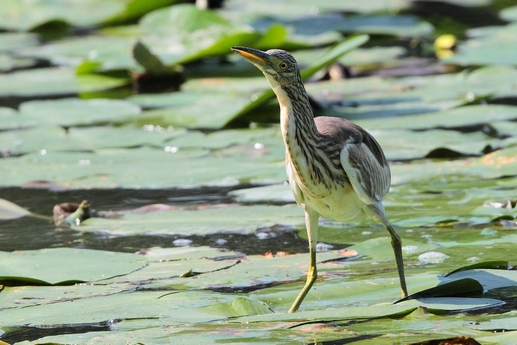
x: 256, y: 57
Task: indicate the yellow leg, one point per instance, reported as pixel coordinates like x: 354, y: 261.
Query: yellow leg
x: 377, y: 212
x: 311, y: 221
x: 396, y: 243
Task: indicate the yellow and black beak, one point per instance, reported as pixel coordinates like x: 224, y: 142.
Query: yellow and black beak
x: 257, y: 57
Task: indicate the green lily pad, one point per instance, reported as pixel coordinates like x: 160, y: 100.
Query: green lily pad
x: 49, y: 266
x: 27, y: 16
x: 109, y: 51
x: 53, y: 81
x: 76, y: 112
x: 236, y: 219
x: 489, y: 46
x: 497, y: 325
x: 399, y: 25
x: 452, y: 118
x: 466, y: 287
x: 194, y: 115
x: 8, y: 63
x: 425, y: 143
x: 13, y: 41
x: 130, y: 305
x: 489, y: 278
x: 26, y: 296
x: 102, y: 168
x: 349, y: 313
x: 198, y: 33
x: 20, y: 16
x: 237, y: 307
x: 135, y: 9
x: 246, y: 11
x: 55, y: 138
x: 364, y: 98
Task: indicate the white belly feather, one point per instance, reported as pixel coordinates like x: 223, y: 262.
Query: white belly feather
x: 340, y: 204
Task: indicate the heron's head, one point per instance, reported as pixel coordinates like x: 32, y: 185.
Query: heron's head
x: 278, y: 66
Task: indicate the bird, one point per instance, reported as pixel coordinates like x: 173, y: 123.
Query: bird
x: 335, y: 168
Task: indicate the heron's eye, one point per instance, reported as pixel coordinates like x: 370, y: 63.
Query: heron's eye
x: 282, y: 65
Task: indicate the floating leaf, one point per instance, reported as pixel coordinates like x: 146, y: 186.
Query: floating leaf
x: 466, y: 287
x: 236, y: 219
x: 21, y: 16
x: 482, y: 265
x: 9, y: 210
x: 488, y: 46
x: 66, y: 265
x: 53, y: 81
x: 103, y: 52
x: 237, y: 307
x: 399, y: 25
x: 75, y: 112
x: 198, y: 33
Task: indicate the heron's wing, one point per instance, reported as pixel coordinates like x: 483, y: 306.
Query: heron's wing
x: 367, y: 168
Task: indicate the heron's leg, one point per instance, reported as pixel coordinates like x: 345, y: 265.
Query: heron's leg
x: 311, y: 221
x: 377, y: 212
x: 396, y: 243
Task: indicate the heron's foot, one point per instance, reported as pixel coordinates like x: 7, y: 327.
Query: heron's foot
x: 311, y: 278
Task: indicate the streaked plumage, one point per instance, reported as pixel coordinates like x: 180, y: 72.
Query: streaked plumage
x: 336, y: 169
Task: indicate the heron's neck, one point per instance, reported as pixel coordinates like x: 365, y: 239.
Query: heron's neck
x: 295, y: 113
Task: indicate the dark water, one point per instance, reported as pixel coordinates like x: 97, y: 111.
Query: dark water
x: 29, y: 233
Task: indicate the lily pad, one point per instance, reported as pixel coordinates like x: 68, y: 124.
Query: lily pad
x: 198, y: 33
x: 16, y: 40
x: 21, y: 16
x: 452, y: 118
x: 108, y: 51
x: 28, y: 16
x: 53, y: 81
x: 75, y: 112
x: 236, y: 219
x: 66, y: 265
x: 249, y: 10
x: 237, y: 307
x: 26, y: 296
x: 111, y: 307
x: 102, y: 168
x: 489, y: 46
x: 49, y: 138
x: 8, y: 63
x: 399, y: 25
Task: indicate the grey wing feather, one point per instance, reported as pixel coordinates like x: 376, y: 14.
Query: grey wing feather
x: 367, y: 169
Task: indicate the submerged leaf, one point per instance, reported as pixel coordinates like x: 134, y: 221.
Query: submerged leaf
x: 237, y: 307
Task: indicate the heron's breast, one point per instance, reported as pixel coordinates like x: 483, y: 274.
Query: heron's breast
x: 338, y: 203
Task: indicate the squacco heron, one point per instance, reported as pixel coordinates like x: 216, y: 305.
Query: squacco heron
x: 336, y: 169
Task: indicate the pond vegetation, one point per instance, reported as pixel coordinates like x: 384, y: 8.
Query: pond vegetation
x: 141, y: 109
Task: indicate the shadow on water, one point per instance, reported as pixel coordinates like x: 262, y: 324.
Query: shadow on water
x: 32, y: 333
